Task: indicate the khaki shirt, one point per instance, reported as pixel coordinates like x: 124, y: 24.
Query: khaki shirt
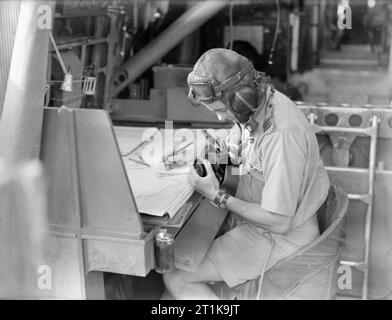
x: 281, y: 169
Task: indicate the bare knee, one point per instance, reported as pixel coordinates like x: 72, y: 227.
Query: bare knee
x: 173, y: 279
x: 188, y: 285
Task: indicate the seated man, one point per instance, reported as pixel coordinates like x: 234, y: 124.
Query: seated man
x: 282, y: 182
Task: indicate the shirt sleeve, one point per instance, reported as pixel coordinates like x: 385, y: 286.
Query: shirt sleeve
x: 283, y: 160
x: 233, y: 142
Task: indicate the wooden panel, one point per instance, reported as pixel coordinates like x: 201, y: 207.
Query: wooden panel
x: 123, y: 256
x: 197, y: 235
x: 55, y: 155
x: 90, y: 200
x: 62, y: 258
x: 107, y: 202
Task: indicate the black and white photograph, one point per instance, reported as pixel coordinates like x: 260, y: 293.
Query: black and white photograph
x: 197, y: 150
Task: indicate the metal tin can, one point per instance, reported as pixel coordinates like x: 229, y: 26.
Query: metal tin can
x: 164, y: 254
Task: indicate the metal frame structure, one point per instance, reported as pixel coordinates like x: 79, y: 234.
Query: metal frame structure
x: 367, y: 198
x: 104, y: 42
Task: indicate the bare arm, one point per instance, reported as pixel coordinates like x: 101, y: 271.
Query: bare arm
x: 253, y: 213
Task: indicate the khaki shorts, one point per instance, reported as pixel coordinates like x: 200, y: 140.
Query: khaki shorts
x: 242, y: 253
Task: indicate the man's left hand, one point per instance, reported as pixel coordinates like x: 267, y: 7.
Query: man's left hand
x: 208, y: 186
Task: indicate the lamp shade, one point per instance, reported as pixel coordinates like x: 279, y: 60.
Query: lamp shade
x: 66, y: 85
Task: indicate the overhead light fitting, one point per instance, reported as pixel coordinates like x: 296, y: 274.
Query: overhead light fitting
x: 88, y: 82
x: 66, y: 85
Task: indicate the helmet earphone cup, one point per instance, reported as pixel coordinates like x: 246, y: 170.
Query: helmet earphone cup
x: 242, y: 102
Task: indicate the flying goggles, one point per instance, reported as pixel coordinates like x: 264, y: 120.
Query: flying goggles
x: 206, y: 92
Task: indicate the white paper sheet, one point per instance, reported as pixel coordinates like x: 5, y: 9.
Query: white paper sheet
x: 157, y: 191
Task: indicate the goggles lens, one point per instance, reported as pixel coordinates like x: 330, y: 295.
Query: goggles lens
x: 203, y: 92
x: 204, y: 95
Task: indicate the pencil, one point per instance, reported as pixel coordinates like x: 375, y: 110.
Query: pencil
x: 178, y: 150
x: 142, y: 143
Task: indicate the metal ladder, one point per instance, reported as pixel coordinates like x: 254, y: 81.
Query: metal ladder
x: 367, y: 198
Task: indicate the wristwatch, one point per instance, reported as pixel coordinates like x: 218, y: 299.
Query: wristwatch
x: 220, y: 200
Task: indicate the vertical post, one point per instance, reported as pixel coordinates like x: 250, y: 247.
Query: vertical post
x: 390, y: 52
x: 9, y: 11
x: 21, y: 121
x: 295, y: 24
x: 322, y: 22
x: 315, y: 27
x: 389, y: 35
x: 23, y: 217
x: 369, y: 212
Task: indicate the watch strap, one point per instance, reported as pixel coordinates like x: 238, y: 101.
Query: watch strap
x: 217, y: 200
x: 223, y: 201
x: 220, y: 199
